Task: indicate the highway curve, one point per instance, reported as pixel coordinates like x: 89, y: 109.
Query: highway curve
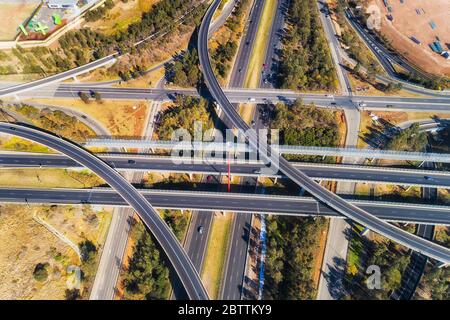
x: 169, y: 243
x: 343, y: 207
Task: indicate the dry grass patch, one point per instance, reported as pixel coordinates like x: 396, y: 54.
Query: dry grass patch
x: 25, y: 243
x: 121, y: 117
x: 216, y: 254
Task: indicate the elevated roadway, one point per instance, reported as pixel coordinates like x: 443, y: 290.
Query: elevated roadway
x: 282, y: 149
x: 317, y: 171
x: 237, y: 95
x: 345, y: 208
x: 225, y: 201
x: 170, y: 244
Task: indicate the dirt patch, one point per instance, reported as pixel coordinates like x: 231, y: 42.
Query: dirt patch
x: 12, y: 14
x: 400, y: 30
x: 25, y: 243
x: 122, y: 118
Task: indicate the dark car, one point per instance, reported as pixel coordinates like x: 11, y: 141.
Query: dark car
x: 131, y: 161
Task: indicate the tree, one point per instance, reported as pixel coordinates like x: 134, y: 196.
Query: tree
x: 84, y: 97
x: 87, y: 250
x: 98, y: 97
x: 40, y: 272
x: 72, y: 294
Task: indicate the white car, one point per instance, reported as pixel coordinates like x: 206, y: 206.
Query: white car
x: 252, y: 99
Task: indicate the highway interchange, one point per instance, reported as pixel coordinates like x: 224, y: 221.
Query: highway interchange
x: 417, y: 177
x: 352, y: 212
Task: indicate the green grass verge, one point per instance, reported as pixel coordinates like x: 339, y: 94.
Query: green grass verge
x: 216, y: 254
x: 253, y: 75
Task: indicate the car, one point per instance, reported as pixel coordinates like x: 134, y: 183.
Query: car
x: 253, y: 122
x: 256, y: 171
x: 251, y: 99
x: 333, y: 103
x: 83, y: 116
x: 428, y: 178
x: 131, y: 161
x: 247, y: 43
x: 200, y: 229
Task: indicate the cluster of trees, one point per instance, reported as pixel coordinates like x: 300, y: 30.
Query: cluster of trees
x: 94, y: 45
x: 147, y: 276
x: 291, y: 252
x: 356, y: 48
x: 94, y: 15
x: 234, y: 22
x: 436, y: 282
x: 307, y: 125
x: 227, y: 46
x: 409, y: 139
x: 185, y: 71
x: 392, y: 263
x: 222, y: 57
x: 182, y: 115
x: 89, y: 258
x: 55, y: 121
x: 306, y: 61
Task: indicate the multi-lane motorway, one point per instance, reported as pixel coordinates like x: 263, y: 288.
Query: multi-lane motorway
x: 230, y: 202
x: 259, y: 95
x: 317, y: 171
x: 174, y: 251
x: 345, y: 208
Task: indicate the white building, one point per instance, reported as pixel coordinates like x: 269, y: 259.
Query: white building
x: 62, y: 4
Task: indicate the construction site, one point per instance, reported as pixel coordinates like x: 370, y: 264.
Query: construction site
x: 419, y: 30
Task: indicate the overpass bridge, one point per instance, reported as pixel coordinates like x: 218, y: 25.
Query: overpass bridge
x: 282, y: 149
x: 233, y: 202
x: 219, y: 167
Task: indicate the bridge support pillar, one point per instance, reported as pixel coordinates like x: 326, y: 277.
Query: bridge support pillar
x: 191, y: 176
x: 301, y: 191
x: 275, y: 180
x: 75, y: 79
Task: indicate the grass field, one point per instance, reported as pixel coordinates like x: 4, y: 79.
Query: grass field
x: 253, y: 75
x: 121, y: 117
x: 48, y: 178
x: 216, y: 254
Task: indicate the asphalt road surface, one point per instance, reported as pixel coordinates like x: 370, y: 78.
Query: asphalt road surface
x: 174, y: 251
x: 230, y: 202
x: 345, y: 208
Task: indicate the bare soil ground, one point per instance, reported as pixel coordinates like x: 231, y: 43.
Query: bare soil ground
x: 13, y: 13
x: 408, y: 23
x: 25, y: 243
x: 121, y: 16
